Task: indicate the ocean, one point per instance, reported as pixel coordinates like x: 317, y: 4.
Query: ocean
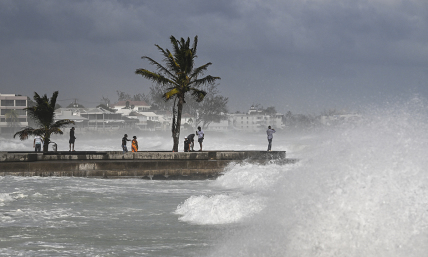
x: 359, y: 189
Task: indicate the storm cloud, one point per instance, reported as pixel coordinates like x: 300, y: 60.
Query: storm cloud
x: 299, y: 56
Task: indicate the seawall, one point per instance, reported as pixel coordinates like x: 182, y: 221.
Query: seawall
x: 145, y: 165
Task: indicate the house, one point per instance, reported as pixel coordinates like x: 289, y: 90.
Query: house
x: 255, y: 120
x: 126, y: 107
x: 223, y: 125
x: 340, y: 119
x: 146, y: 120
x: 95, y: 118
x: 12, y: 113
x: 68, y: 114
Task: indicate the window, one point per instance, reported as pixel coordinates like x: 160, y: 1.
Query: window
x: 22, y: 119
x: 21, y: 102
x: 19, y: 112
x: 7, y: 103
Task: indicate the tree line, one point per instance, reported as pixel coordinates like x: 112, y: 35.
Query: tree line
x: 179, y: 86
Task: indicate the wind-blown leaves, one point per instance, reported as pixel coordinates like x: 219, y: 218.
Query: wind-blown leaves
x: 179, y: 73
x: 44, y: 114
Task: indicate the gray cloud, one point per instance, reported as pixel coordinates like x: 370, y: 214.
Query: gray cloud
x: 302, y: 56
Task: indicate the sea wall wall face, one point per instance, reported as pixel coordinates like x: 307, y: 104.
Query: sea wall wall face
x: 211, y: 155
x: 146, y: 165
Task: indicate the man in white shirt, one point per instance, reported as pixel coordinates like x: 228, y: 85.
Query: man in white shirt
x: 269, y: 133
x: 201, y: 135
x: 37, y: 144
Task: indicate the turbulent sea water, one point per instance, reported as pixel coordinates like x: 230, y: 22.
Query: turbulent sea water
x: 359, y: 189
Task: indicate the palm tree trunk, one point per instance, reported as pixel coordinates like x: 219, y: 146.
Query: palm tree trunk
x: 46, y: 141
x: 176, y: 132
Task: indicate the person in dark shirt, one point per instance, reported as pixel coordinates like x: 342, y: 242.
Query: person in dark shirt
x: 191, y: 139
x: 186, y: 144
x: 72, y: 139
x: 124, y: 139
x: 269, y: 133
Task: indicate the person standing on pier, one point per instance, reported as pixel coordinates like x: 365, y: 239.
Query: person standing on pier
x: 134, y: 144
x: 186, y: 145
x: 269, y: 133
x: 124, y: 139
x: 191, y: 139
x: 201, y: 136
x: 72, y: 139
x: 37, y: 144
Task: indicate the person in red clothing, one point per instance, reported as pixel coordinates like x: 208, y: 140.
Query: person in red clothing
x: 134, y: 144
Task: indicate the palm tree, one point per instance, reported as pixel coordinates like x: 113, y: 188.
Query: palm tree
x: 43, y: 113
x: 178, y: 77
x: 12, y: 118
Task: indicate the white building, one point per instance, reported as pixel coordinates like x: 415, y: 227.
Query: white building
x: 147, y: 120
x: 126, y: 107
x: 255, y: 120
x: 340, y: 119
x: 11, y: 104
x: 223, y: 125
x: 95, y: 118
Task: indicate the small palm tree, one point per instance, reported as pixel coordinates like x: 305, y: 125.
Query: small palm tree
x: 12, y: 118
x: 43, y: 113
x: 178, y: 78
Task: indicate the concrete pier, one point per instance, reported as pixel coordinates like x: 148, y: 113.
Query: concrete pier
x: 145, y: 165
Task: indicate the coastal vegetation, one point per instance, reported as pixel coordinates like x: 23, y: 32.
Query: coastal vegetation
x: 43, y: 113
x: 178, y: 77
x: 12, y: 118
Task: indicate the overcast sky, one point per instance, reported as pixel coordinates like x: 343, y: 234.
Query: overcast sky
x: 303, y: 56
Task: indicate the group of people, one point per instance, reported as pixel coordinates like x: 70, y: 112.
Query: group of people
x: 38, y: 142
x: 189, y: 141
x: 134, y: 143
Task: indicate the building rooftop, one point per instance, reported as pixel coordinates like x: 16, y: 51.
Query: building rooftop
x: 134, y: 103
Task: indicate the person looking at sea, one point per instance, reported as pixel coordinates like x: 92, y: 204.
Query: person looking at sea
x: 269, y: 133
x: 134, y: 144
x: 191, y: 140
x: 124, y: 139
x: 201, y: 136
x: 72, y: 139
x: 37, y: 144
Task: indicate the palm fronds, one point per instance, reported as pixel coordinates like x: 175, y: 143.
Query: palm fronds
x: 26, y: 132
x: 199, y: 95
x: 44, y: 114
x: 179, y: 73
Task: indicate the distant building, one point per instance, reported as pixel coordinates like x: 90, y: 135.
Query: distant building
x: 340, y: 119
x: 223, y: 125
x: 127, y: 107
x: 255, y: 120
x: 12, y: 105
x: 187, y: 119
x: 146, y: 120
x: 95, y: 118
